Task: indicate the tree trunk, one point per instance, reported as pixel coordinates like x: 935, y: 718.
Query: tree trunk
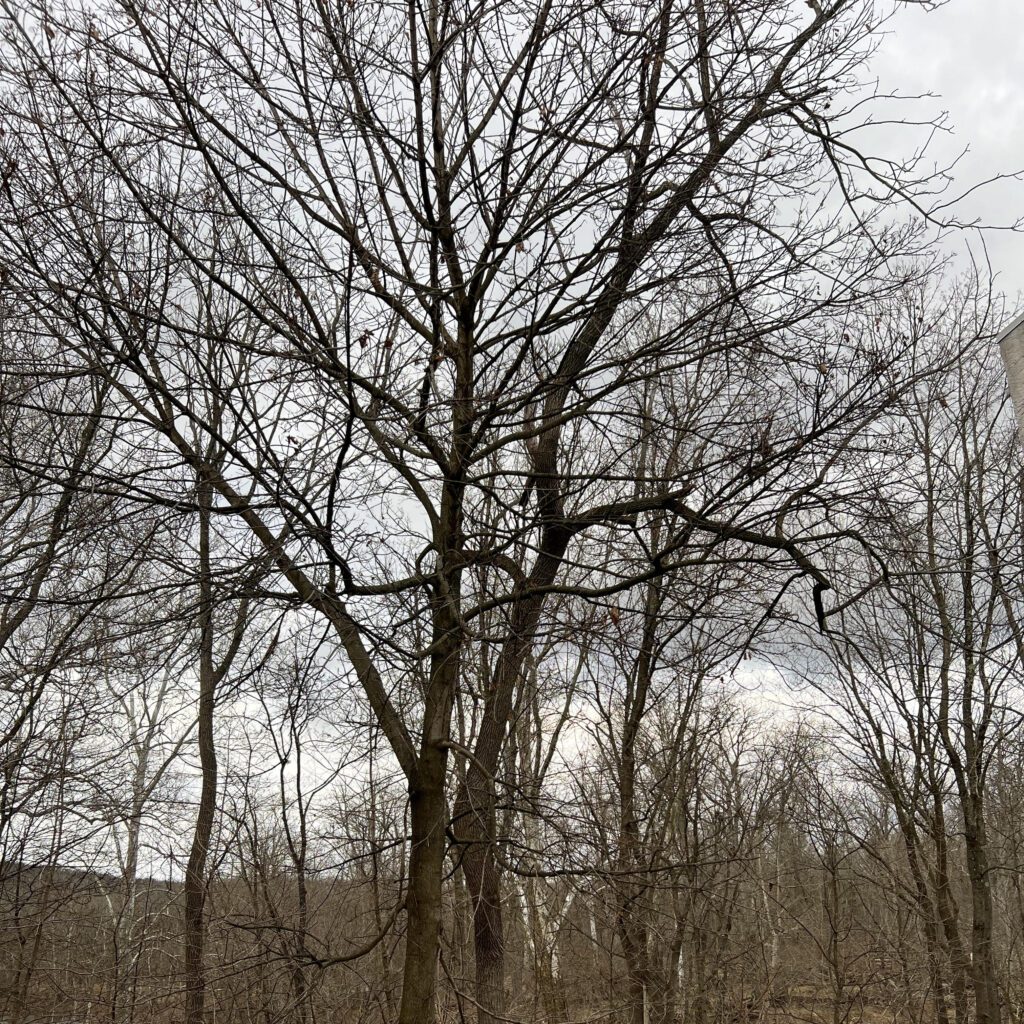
x: 949, y: 916
x: 195, y: 872
x: 474, y: 815
x: 484, y: 883
x: 983, y: 971
x: 423, y: 903
x: 936, y: 975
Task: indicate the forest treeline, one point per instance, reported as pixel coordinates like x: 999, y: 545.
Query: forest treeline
x: 506, y: 514
x: 778, y: 892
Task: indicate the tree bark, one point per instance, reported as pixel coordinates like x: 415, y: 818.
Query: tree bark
x: 195, y: 872
x: 983, y: 971
x: 428, y: 804
x: 423, y: 903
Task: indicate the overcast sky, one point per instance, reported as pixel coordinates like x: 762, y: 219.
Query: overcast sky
x: 970, y: 55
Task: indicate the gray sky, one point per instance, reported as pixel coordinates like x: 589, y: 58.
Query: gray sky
x: 969, y: 54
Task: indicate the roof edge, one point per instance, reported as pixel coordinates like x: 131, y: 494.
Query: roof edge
x: 1009, y: 329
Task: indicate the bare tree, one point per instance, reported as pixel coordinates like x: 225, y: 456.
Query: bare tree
x: 927, y: 665
x: 384, y: 282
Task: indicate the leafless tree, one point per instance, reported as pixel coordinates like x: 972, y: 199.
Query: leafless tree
x: 395, y: 300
